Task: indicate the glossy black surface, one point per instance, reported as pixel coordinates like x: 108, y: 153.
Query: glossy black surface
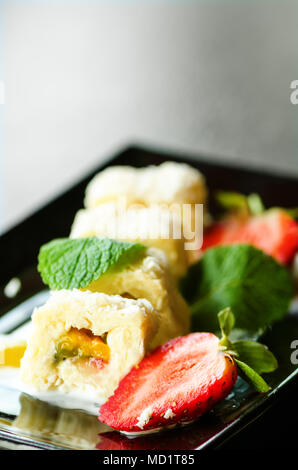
x: 18, y: 251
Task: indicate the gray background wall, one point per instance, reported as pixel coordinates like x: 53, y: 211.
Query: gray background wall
x: 83, y: 78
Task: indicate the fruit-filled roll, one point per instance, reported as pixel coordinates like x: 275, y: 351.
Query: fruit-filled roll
x: 86, y: 342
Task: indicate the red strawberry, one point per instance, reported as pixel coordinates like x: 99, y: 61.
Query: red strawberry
x: 274, y: 232
x: 176, y: 383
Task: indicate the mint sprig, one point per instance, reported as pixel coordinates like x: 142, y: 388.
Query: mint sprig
x: 74, y: 263
x: 251, y: 357
x: 256, y: 287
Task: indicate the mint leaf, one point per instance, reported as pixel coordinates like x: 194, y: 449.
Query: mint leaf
x: 257, y: 381
x: 255, y: 355
x: 74, y: 263
x: 256, y: 287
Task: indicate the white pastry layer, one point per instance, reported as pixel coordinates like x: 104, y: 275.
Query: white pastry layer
x: 168, y: 183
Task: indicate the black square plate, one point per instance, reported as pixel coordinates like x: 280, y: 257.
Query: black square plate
x: 26, y: 422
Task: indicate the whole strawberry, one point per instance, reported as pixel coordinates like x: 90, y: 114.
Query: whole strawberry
x: 274, y: 231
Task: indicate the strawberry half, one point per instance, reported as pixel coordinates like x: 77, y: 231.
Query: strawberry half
x: 273, y: 231
x: 176, y: 383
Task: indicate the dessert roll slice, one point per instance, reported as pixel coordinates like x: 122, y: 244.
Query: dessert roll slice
x: 169, y: 183
x: 150, y: 278
x: 86, y: 342
x: 151, y: 226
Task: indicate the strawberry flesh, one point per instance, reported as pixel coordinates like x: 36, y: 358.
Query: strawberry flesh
x: 176, y: 383
x: 274, y: 232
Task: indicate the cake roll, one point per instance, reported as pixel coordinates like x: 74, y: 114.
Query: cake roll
x: 177, y: 187
x: 169, y: 183
x: 151, y: 226
x: 151, y: 279
x: 86, y: 342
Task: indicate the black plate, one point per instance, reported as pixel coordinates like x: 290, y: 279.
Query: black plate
x: 31, y: 423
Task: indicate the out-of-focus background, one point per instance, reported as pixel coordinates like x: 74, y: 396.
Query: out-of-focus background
x: 85, y: 77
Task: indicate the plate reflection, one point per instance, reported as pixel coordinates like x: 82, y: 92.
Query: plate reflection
x: 70, y: 428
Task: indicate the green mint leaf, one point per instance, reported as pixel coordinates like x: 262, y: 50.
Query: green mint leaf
x: 226, y: 321
x: 256, y: 287
x: 257, y: 381
x: 74, y: 263
x: 255, y: 204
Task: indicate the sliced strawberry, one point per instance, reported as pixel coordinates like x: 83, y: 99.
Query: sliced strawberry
x: 176, y: 383
x: 274, y: 232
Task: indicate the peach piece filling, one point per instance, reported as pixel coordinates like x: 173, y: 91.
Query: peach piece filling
x: 81, y: 344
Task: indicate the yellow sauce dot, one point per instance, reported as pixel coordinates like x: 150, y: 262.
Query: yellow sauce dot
x: 11, y: 355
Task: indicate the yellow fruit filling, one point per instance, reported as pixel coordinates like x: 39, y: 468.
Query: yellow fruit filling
x: 11, y: 355
x: 81, y: 344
